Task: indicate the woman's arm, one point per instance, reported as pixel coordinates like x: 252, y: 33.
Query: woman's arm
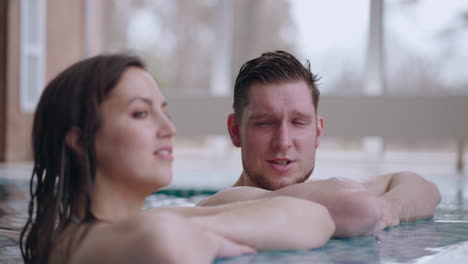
x: 277, y: 223
x: 200, y: 234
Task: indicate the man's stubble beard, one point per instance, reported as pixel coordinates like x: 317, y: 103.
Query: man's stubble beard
x: 262, y: 181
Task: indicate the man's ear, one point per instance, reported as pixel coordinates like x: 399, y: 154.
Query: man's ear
x: 319, y: 130
x: 233, y: 128
x: 73, y: 140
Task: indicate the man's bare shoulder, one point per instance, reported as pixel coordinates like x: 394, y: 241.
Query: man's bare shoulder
x: 312, y: 188
x: 234, y: 194
x: 325, y: 185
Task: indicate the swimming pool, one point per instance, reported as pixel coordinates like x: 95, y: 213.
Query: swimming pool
x: 443, y: 239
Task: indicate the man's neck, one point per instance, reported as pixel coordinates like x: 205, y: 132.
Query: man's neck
x: 244, y: 180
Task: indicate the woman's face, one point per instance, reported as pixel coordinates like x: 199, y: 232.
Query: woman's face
x: 135, y: 138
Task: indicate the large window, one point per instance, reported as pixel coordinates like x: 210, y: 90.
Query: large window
x: 425, y: 53
x: 426, y: 46
x: 189, y: 43
x: 176, y: 38
x: 195, y: 48
x: 333, y: 35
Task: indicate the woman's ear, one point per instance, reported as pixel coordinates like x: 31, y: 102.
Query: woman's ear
x: 73, y: 140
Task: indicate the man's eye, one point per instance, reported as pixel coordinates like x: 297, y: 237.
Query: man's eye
x: 140, y: 114
x: 262, y: 123
x: 299, y: 123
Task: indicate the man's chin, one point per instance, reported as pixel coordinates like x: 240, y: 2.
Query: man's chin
x: 273, y: 181
x: 276, y: 184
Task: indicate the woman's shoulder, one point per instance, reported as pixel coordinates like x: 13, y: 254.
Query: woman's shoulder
x: 139, y: 238
x: 67, y: 242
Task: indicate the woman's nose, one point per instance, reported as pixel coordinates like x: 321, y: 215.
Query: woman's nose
x: 167, y: 128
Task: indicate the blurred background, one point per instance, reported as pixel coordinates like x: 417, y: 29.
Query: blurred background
x: 394, y: 73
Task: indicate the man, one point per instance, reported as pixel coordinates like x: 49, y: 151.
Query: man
x: 275, y: 123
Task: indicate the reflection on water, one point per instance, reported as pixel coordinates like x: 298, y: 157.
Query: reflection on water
x: 13, y: 214
x: 454, y: 205
x: 403, y: 244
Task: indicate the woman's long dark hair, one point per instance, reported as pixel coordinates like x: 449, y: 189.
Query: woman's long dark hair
x: 60, y: 176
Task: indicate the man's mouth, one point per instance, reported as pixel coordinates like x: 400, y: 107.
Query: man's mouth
x: 280, y: 165
x: 281, y: 162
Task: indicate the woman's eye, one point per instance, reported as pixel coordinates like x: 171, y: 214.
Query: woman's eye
x: 140, y: 114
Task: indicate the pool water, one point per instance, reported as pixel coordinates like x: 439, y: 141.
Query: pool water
x: 443, y: 239
x: 407, y: 243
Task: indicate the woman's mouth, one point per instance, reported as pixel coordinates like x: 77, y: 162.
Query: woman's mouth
x: 164, y: 154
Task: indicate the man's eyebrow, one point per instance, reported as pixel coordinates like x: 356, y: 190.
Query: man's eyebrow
x: 261, y: 116
x: 300, y: 114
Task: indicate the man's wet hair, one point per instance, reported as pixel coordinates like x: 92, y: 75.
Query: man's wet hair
x: 272, y: 68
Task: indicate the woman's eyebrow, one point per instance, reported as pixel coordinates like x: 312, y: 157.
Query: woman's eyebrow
x: 140, y: 98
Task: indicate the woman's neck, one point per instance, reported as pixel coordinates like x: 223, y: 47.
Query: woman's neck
x: 112, y: 202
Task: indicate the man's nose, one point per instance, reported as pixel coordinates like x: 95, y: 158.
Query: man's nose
x: 282, y: 137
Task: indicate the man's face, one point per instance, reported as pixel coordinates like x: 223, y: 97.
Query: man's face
x: 278, y: 134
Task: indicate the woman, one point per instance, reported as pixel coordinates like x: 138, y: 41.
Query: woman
x: 103, y: 142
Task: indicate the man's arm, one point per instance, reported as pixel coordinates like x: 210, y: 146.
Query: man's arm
x: 407, y: 196
x: 355, y: 211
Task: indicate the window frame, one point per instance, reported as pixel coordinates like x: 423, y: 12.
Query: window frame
x: 32, y: 49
